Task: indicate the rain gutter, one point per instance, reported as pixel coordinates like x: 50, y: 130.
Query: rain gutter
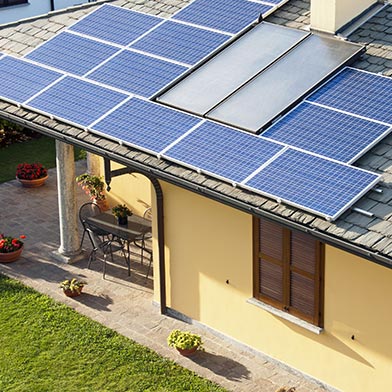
x: 210, y: 193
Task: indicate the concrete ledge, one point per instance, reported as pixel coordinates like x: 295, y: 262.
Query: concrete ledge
x: 286, y: 316
x: 68, y: 259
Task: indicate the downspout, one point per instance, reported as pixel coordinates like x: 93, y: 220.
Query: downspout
x: 52, y: 5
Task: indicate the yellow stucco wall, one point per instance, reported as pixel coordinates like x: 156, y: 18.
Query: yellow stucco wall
x: 134, y: 190
x: 208, y: 243
x: 330, y: 15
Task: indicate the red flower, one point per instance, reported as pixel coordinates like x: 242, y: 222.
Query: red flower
x: 9, y: 244
x: 27, y: 171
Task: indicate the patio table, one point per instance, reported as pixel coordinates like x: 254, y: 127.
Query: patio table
x: 134, y: 229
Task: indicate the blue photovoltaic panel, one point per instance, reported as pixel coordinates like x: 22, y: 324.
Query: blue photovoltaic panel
x: 222, y: 151
x: 72, y: 53
x: 225, y: 15
x: 322, y: 186
x: 137, y: 73
x: 326, y: 132
x: 276, y: 2
x: 115, y: 24
x: 20, y: 80
x: 145, y: 124
x: 358, y: 92
x: 183, y: 43
x: 77, y: 101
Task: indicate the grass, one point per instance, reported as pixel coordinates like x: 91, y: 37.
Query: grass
x: 46, y: 346
x: 36, y: 150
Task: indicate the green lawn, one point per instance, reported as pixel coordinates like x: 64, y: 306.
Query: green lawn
x: 36, y: 150
x: 46, y: 346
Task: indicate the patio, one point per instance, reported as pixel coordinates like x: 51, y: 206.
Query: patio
x: 125, y: 304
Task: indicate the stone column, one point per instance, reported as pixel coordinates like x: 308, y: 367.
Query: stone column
x: 69, y: 250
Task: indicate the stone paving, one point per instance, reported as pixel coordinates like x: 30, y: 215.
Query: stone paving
x: 123, y: 303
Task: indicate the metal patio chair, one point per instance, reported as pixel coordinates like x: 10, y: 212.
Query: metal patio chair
x: 105, y: 248
x: 86, y: 210
x: 143, y: 241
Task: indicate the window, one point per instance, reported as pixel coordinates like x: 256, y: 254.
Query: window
x: 7, y: 3
x: 288, y: 270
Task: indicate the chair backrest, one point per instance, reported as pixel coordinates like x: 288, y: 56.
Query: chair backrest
x: 88, y: 209
x: 148, y: 213
x: 95, y: 239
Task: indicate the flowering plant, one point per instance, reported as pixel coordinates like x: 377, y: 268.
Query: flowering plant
x: 92, y: 185
x: 73, y: 285
x: 184, y: 340
x: 10, y: 244
x: 121, y: 210
x: 31, y: 171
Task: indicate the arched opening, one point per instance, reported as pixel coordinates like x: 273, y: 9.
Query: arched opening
x: 159, y: 216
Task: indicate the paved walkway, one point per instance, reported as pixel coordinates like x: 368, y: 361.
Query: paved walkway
x: 122, y: 303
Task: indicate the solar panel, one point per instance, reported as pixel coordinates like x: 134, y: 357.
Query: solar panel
x: 286, y: 81
x: 137, y: 73
x: 327, y: 132
x: 115, y: 24
x: 20, y: 80
x: 222, y: 151
x: 210, y: 84
x: 76, y: 101
x: 179, y: 42
x: 276, y: 2
x: 311, y: 183
x: 224, y: 15
x: 72, y: 53
x: 145, y: 124
x: 358, y: 92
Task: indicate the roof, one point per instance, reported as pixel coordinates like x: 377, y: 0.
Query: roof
x: 368, y: 235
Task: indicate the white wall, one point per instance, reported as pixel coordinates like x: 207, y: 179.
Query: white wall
x: 34, y: 8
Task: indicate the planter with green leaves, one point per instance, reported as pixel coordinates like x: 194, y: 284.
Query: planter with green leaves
x: 186, y: 343
x: 94, y: 187
x: 121, y: 212
x: 72, y: 287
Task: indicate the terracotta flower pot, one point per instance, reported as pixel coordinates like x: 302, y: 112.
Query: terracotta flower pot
x: 11, y: 256
x: 70, y: 293
x: 33, y: 183
x: 187, y: 352
x: 102, y: 204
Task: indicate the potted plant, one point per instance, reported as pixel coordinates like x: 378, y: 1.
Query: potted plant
x: 186, y: 343
x: 31, y: 175
x: 10, y: 248
x: 121, y: 212
x: 94, y: 187
x: 72, y: 287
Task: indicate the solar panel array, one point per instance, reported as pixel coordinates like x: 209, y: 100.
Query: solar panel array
x: 100, y: 79
x: 223, y: 15
x: 326, y: 132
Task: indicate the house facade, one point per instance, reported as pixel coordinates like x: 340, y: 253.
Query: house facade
x: 310, y: 293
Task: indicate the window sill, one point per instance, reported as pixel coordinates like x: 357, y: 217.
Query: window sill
x: 286, y: 316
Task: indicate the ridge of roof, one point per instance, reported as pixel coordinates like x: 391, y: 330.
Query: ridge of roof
x: 370, y: 236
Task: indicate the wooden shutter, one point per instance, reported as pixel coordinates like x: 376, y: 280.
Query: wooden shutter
x: 270, y: 263
x: 287, y: 269
x: 304, y: 277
